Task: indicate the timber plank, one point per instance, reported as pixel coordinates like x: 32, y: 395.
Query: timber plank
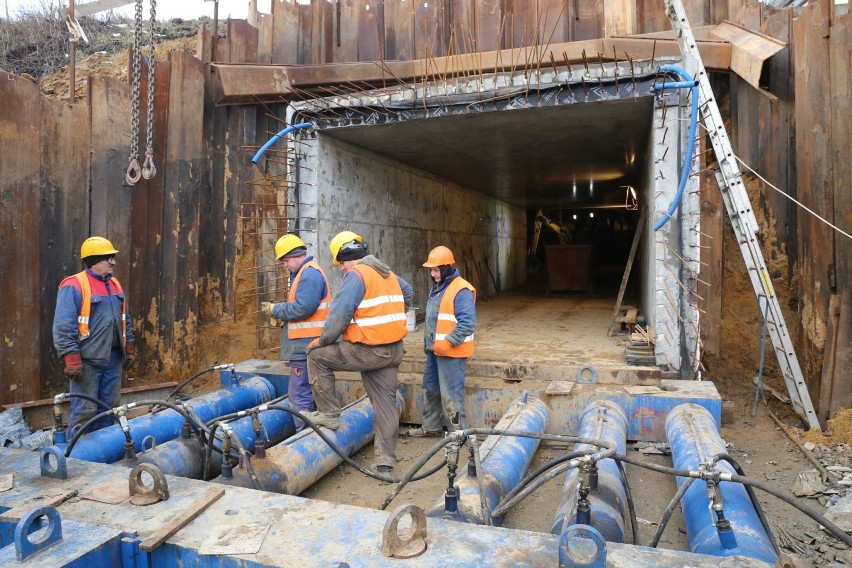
x: 841, y: 141
x: 184, y: 176
x: 428, y: 33
x: 587, y: 20
x: 370, y: 32
x: 304, y: 50
x: 490, y: 25
x: 285, y: 37
x: 399, y: 30
x: 65, y: 162
x: 20, y: 119
x: 346, y: 31
x: 651, y: 17
x: 264, y: 50
x: 813, y: 132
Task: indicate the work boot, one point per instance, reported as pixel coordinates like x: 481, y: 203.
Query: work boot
x: 384, y: 470
x: 423, y: 433
x: 330, y: 421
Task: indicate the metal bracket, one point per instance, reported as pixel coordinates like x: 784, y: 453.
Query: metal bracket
x: 582, y: 546
x: 47, y: 468
x: 24, y: 547
x: 141, y: 494
x: 592, y: 374
x: 413, y: 542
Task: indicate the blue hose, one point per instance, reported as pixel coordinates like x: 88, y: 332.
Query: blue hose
x: 275, y: 138
x: 690, y: 143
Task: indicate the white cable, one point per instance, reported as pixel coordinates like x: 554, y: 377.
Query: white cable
x: 782, y: 192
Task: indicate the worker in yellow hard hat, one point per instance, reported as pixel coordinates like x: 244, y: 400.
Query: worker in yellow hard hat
x: 448, y: 341
x: 368, y: 312
x: 92, y: 333
x: 303, y: 314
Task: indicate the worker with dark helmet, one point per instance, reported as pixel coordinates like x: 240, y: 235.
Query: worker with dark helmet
x: 92, y: 334
x: 448, y: 342
x: 368, y: 312
x: 303, y: 314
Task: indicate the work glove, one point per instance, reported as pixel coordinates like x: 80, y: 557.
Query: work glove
x: 266, y: 308
x: 441, y: 347
x: 312, y: 345
x: 73, y: 366
x: 129, y: 355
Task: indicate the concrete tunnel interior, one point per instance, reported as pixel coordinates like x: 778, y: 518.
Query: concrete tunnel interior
x: 475, y: 181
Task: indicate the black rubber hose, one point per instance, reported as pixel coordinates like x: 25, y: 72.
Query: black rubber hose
x: 653, y: 466
x: 537, y: 472
x: 245, y: 458
x: 531, y: 488
x: 343, y: 455
x: 409, y: 476
x: 667, y: 514
x: 97, y: 401
x: 191, y: 378
x: 477, y: 462
x: 208, y: 453
x: 91, y: 421
x: 753, y: 497
x: 631, y: 507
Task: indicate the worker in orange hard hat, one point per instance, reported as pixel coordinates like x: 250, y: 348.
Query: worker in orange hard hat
x: 448, y: 342
x: 363, y: 332
x: 303, y: 314
x: 92, y: 334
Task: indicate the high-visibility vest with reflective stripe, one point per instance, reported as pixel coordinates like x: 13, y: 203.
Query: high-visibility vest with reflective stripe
x: 312, y: 325
x: 380, y: 317
x: 447, y: 318
x: 86, y: 305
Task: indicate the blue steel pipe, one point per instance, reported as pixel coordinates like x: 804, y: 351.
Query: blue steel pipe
x: 694, y: 438
x: 107, y: 445
x: 300, y: 461
x: 504, y: 460
x: 184, y: 457
x: 601, y: 420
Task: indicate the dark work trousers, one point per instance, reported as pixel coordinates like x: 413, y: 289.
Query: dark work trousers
x: 378, y: 365
x: 103, y: 383
x: 443, y: 383
x: 299, y: 390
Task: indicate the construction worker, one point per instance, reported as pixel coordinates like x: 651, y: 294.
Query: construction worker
x: 92, y: 333
x: 448, y: 342
x: 369, y: 313
x: 304, y: 315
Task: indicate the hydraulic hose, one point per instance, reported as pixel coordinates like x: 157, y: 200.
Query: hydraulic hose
x: 275, y: 138
x: 667, y: 514
x: 631, y: 507
x: 477, y: 462
x: 346, y: 458
x: 530, y: 477
x: 177, y: 408
x: 191, y: 378
x: 753, y: 497
x: 689, y: 83
x: 97, y: 401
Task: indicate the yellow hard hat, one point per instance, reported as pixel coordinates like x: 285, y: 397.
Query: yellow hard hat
x: 341, y: 239
x: 286, y: 244
x: 96, y: 246
x: 439, y: 256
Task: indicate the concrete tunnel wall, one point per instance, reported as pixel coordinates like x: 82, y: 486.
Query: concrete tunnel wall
x: 403, y: 213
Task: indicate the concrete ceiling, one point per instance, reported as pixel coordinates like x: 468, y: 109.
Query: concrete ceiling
x: 532, y: 158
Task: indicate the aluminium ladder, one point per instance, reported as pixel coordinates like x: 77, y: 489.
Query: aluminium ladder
x: 742, y: 217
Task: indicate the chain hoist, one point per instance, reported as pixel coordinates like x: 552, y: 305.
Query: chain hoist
x: 148, y: 171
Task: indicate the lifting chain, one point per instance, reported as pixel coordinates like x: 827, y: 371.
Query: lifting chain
x: 148, y: 171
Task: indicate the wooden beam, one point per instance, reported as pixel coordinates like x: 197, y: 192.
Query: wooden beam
x: 176, y: 523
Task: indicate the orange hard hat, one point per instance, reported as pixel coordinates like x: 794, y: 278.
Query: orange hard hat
x: 439, y: 256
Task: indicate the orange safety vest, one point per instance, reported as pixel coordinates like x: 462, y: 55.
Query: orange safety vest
x: 312, y: 325
x: 380, y: 317
x: 447, y: 318
x: 86, y: 307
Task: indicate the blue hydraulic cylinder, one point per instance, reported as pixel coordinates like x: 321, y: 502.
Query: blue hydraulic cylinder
x: 601, y: 420
x: 107, y: 445
x: 300, y: 461
x: 694, y: 438
x: 504, y: 461
x: 184, y: 456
